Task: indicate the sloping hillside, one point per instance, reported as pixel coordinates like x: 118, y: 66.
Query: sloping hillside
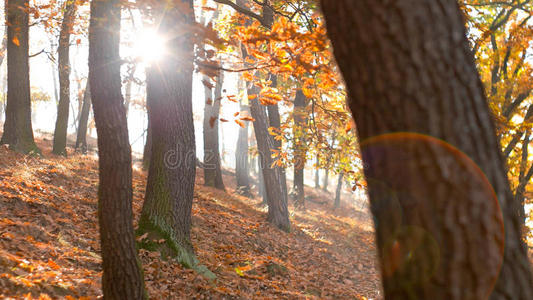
x: 49, y: 240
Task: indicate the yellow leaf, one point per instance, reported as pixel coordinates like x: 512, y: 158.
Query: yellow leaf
x: 239, y: 272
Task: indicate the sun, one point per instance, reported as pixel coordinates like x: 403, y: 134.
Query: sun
x: 149, y: 46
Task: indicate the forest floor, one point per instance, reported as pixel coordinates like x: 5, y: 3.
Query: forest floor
x: 49, y: 246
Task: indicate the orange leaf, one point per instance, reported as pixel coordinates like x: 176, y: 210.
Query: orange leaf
x: 241, y: 123
x: 16, y: 41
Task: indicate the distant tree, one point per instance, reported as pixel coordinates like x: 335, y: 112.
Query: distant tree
x: 317, y: 173
x: 275, y: 194
x: 274, y: 122
x: 437, y: 183
x: 63, y: 50
x: 147, y: 150
x: 166, y: 213
x: 212, y: 165
x: 300, y: 102
x: 242, y: 164
x: 18, y: 132
x: 326, y: 180
x: 81, y: 138
x: 122, y: 274
x: 338, y: 191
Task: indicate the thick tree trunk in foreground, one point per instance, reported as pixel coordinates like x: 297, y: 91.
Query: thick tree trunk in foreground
x: 18, y: 132
x: 300, y: 147
x: 60, y: 132
x: 122, y: 272
x: 81, y: 138
x: 338, y: 191
x: 166, y: 213
x: 212, y: 167
x: 435, y: 174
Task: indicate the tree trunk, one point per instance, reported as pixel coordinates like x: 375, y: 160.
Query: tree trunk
x: 54, y: 71
x: 63, y: 50
x: 278, y: 213
x: 326, y: 180
x: 317, y: 174
x: 433, y: 164
x: 242, y: 167
x: 300, y: 147
x: 147, y: 152
x: 4, y: 48
x: 338, y: 191
x: 260, y: 180
x: 129, y: 87
x: 275, y: 122
x: 166, y: 213
x: 81, y: 138
x: 18, y: 132
x: 212, y: 168
x: 122, y: 272
x: 524, y: 178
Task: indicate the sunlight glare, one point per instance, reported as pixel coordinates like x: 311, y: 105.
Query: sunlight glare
x: 150, y: 46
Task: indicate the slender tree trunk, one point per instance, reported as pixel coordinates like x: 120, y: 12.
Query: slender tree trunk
x: 18, y: 132
x: 63, y: 50
x: 300, y: 147
x: 129, y: 87
x: 278, y: 213
x: 212, y: 168
x: 166, y: 213
x: 338, y: 191
x: 81, y: 138
x: 524, y: 178
x: 242, y: 167
x: 275, y: 122
x: 54, y: 71
x: 317, y: 174
x: 432, y: 160
x: 122, y: 273
x: 3, y: 51
x: 147, y: 153
x: 326, y: 180
x: 260, y: 180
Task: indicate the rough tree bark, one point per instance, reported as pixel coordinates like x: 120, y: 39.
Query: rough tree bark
x: 63, y: 50
x: 276, y: 195
x: 122, y: 273
x: 166, y: 213
x: 524, y: 178
x: 18, y: 132
x: 278, y: 213
x: 432, y: 160
x: 300, y: 102
x: 81, y: 138
x: 212, y: 166
x: 275, y: 122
